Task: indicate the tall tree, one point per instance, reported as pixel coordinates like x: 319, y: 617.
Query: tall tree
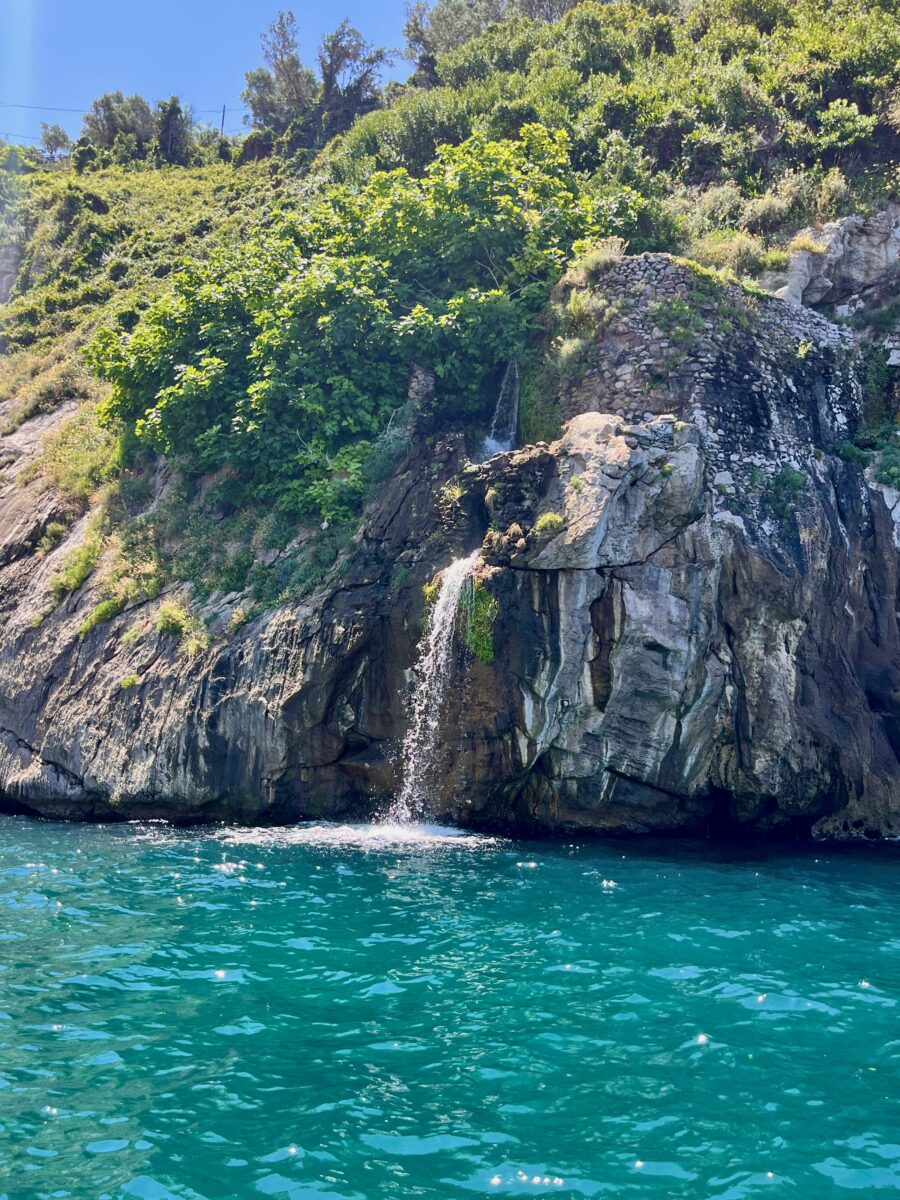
x: 55, y: 142
x: 173, y: 132
x: 351, y: 72
x: 283, y: 91
x: 287, y: 99
x: 435, y: 29
x: 115, y: 113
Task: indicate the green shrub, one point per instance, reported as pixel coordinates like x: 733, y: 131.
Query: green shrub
x: 481, y: 610
x: 80, y: 561
x: 175, y: 618
x: 53, y: 534
x: 129, y: 682
x: 774, y: 260
x: 852, y: 453
x: 803, y: 242
x: 80, y: 455
x: 548, y: 522
x: 678, y: 320
x: 783, y: 491
x: 540, y: 414
x: 731, y: 249
x: 172, y: 617
x: 99, y: 614
x: 599, y: 256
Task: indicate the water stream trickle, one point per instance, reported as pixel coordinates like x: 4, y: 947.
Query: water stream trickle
x: 427, y: 702
x: 504, y: 426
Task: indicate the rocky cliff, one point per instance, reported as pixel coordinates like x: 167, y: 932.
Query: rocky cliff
x: 687, y: 612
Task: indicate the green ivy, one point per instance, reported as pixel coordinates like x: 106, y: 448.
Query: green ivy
x: 481, y: 610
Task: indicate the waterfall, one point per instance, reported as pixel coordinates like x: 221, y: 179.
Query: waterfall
x: 426, y: 704
x: 505, y: 424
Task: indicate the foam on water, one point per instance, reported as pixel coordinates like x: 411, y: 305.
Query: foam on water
x: 388, y: 835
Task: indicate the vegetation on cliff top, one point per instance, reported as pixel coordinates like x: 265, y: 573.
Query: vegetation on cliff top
x: 256, y: 323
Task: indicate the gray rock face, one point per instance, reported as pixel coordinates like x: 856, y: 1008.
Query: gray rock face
x: 700, y: 632
x: 857, y: 254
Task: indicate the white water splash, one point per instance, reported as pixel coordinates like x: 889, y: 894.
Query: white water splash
x: 505, y: 424
x: 330, y: 835
x: 432, y: 670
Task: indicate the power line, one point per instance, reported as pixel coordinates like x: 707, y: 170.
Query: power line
x: 82, y: 111
x: 19, y: 137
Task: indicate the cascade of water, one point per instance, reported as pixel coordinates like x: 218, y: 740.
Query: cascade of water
x: 506, y: 415
x: 426, y: 705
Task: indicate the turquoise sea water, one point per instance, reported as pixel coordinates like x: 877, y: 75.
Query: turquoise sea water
x: 332, y: 1014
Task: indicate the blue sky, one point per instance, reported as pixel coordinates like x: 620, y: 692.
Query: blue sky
x: 65, y: 53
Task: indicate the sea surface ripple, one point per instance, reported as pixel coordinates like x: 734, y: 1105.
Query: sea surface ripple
x: 351, y: 1013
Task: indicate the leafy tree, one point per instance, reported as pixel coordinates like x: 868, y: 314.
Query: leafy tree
x: 84, y: 155
x: 55, y: 142
x: 173, y: 132
x: 115, y: 113
x: 432, y: 30
x: 289, y: 100
x: 284, y: 90
x: 350, y: 68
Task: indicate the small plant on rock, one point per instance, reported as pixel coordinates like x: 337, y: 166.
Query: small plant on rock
x: 548, y: 522
x: 481, y: 609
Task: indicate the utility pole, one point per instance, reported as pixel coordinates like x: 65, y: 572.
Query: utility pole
x: 222, y: 126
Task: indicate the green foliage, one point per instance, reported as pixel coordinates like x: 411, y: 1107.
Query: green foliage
x: 732, y: 90
x: 888, y: 469
x: 99, y: 248
x: 177, y: 619
x: 129, y: 682
x: 852, y: 453
x: 40, y: 382
x: 430, y: 593
x: 803, y: 242
x: 481, y: 610
x: 99, y: 614
x: 285, y: 361
x: 877, y: 377
x: 80, y: 455
x: 783, y: 491
x: 53, y: 534
x: 172, y: 617
x: 731, y: 249
x: 879, y: 443
x: 540, y: 414
x: 678, y: 320
x: 548, y: 522
x: 81, y: 561
x: 304, y: 110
